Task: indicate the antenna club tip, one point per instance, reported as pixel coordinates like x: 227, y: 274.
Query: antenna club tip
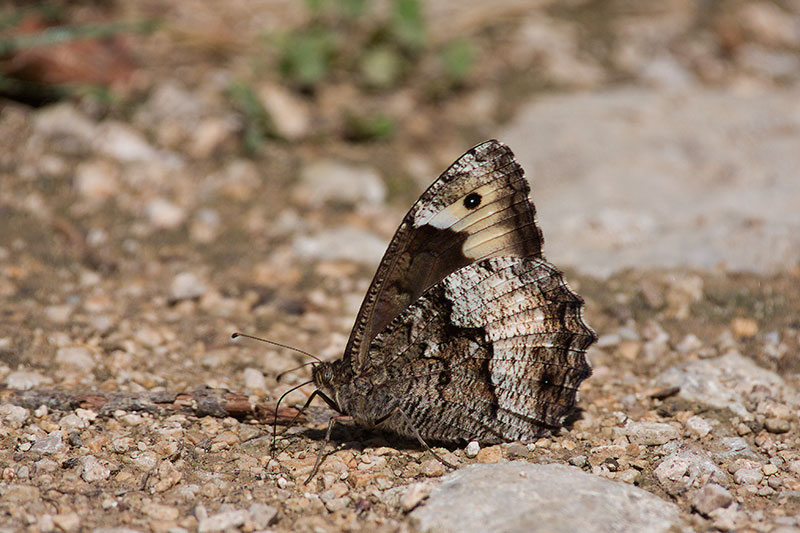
x: 235, y: 334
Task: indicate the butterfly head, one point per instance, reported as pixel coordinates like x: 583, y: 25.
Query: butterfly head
x: 329, y: 378
x: 322, y: 374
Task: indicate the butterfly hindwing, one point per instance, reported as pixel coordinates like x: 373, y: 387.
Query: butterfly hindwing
x: 494, y: 352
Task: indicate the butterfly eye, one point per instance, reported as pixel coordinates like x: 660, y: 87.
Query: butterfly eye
x: 472, y: 200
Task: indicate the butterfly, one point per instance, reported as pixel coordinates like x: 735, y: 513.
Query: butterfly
x: 466, y: 332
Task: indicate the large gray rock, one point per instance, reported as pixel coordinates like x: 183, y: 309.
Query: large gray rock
x: 641, y: 178
x: 523, y: 497
x: 730, y: 381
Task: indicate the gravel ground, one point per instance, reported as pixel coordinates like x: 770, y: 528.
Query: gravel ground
x: 134, y: 243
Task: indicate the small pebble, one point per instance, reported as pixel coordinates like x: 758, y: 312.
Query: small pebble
x: 93, y: 470
x: 96, y: 179
x: 516, y: 450
x: 262, y: 515
x: 222, y: 521
x: 578, y: 460
x: 777, y: 425
x: 187, y: 286
x: 160, y: 511
x: 698, y: 427
x: 629, y: 349
x: 472, y: 449
x: 14, y: 415
x: 289, y: 114
x: 77, y: 357
x: 254, y: 379
x: 164, y: 214
x: 711, y: 497
x: 744, y: 328
x: 72, y: 422
x: 337, y: 504
x: 24, y: 380
x: 414, y: 495
x: 123, y: 143
x: 748, y: 476
x: 431, y: 468
x: 650, y: 433
x: 67, y: 522
x: 51, y: 444
x: 491, y: 454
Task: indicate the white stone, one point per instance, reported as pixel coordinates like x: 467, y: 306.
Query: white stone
x: 24, y: 380
x: 64, y: 122
x: 52, y: 443
x: 13, y: 415
x: 697, y: 426
x: 262, y: 515
x: 254, y: 379
x: 710, y: 498
x: 93, y: 470
x: 58, y: 314
x: 472, y: 449
x: 223, y: 521
x: 336, y: 181
x: 290, y: 115
x: 96, y: 179
x: 650, y: 433
x: 164, y: 214
x: 123, y: 143
x: 77, y: 357
x: 72, y: 422
x: 748, y: 476
x: 186, y: 286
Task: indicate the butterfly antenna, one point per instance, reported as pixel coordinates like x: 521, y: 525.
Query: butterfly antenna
x: 298, y: 350
x: 279, y: 376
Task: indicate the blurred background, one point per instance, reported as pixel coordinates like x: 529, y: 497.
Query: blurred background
x: 172, y: 171
x: 175, y: 171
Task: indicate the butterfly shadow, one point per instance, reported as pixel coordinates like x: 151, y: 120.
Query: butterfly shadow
x: 345, y: 434
x: 571, y: 419
x: 349, y: 435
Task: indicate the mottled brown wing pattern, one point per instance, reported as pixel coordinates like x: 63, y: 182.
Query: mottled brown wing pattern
x: 494, y: 352
x: 445, y: 231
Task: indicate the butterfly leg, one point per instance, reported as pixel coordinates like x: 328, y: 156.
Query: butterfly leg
x: 321, y: 453
x: 314, y: 394
x: 398, y: 411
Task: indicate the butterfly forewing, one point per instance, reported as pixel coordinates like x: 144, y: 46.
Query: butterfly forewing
x: 477, y: 208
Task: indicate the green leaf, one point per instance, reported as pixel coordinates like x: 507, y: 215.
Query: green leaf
x: 457, y: 59
x: 306, y: 55
x: 381, y: 67
x: 373, y: 127
x: 407, y: 23
x: 352, y: 8
x: 256, y: 119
